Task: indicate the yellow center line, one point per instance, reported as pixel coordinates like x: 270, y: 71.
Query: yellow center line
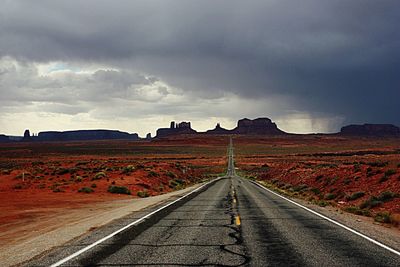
x: 237, y: 220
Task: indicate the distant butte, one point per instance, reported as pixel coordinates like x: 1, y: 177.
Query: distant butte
x: 371, y: 130
x: 4, y: 138
x: 85, y: 135
x: 176, y: 129
x: 259, y: 126
x: 27, y: 136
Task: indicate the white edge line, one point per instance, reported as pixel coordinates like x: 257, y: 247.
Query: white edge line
x: 79, y: 252
x: 333, y: 221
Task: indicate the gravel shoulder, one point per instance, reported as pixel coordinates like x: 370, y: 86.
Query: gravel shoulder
x: 54, y: 230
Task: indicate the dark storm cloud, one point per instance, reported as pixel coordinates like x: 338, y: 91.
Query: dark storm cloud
x: 336, y: 57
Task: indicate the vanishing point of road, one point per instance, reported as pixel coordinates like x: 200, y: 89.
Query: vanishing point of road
x: 233, y: 222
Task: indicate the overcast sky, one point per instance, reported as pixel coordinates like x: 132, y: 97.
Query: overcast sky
x: 309, y: 65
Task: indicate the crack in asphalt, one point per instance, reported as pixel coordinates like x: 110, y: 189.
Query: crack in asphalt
x: 225, y: 205
x: 278, y: 250
x: 231, y: 205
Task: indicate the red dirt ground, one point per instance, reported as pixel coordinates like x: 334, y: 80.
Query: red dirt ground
x: 328, y: 170
x: 37, y: 179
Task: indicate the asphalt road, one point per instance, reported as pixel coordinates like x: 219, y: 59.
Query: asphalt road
x: 234, y: 222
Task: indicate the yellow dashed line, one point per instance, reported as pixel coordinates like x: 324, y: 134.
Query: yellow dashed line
x: 237, y: 220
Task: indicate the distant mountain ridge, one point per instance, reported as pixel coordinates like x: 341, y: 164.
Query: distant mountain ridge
x: 258, y: 126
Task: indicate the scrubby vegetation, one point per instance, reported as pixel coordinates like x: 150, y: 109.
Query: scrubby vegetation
x: 355, y: 196
x: 383, y: 217
x: 153, y: 174
x: 171, y: 174
x: 85, y: 190
x: 143, y: 194
x: 128, y: 169
x: 119, y: 190
x: 330, y: 196
x: 99, y: 175
x: 176, y: 183
x: 390, y: 172
x: 378, y: 164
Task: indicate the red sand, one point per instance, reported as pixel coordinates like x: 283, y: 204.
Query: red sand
x: 54, y: 172
x: 38, y: 180
x: 320, y: 168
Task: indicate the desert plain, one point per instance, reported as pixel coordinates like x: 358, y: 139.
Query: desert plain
x: 42, y: 183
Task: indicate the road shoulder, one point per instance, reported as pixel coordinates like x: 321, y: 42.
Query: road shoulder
x: 81, y: 221
x: 385, y: 234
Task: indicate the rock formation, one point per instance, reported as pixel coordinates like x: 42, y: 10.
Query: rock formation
x: 371, y: 130
x: 259, y: 126
x: 175, y: 129
x: 85, y: 135
x: 148, y: 136
x: 219, y: 130
x: 4, y: 138
x: 27, y: 136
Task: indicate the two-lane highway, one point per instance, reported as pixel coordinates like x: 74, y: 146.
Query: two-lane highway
x: 235, y: 222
